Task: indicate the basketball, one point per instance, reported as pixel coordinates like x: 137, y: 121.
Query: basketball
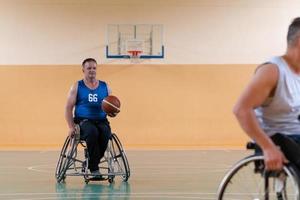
x: 111, y: 104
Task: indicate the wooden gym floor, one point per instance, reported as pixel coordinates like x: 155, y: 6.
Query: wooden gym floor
x: 155, y: 174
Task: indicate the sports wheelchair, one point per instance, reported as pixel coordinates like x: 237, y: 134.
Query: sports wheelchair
x: 74, y: 162
x: 249, y: 180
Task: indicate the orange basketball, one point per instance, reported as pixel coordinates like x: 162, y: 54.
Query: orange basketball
x: 111, y: 104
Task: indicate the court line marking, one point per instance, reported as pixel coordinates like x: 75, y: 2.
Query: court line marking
x: 168, y: 172
x: 121, y: 195
x: 52, y: 165
x: 183, y: 167
x: 107, y: 193
x: 136, y: 197
x: 37, y: 168
x: 117, y: 197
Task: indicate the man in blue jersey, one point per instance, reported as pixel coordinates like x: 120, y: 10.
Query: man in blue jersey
x: 86, y: 96
x: 269, y: 108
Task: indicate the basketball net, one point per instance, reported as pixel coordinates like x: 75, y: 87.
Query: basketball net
x: 134, y: 49
x: 134, y: 56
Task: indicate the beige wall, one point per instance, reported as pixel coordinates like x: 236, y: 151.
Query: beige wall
x: 196, y: 31
x: 163, y: 106
x: 183, y: 100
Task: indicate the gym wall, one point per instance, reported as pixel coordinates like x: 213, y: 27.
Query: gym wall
x: 182, y: 101
x: 195, y: 31
x: 163, y: 106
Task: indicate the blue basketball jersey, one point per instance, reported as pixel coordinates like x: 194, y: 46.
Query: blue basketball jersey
x: 88, y: 102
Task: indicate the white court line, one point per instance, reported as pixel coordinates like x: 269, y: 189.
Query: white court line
x: 161, y: 172
x: 116, y: 197
x: 36, y: 168
x: 181, y: 167
x: 185, y: 173
x: 224, y: 168
x: 52, y: 166
x: 187, y: 148
x: 107, y: 193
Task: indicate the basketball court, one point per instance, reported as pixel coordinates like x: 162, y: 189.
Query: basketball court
x: 175, y: 174
x: 177, y: 67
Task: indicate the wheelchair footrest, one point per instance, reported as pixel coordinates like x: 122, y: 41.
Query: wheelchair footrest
x: 97, y: 179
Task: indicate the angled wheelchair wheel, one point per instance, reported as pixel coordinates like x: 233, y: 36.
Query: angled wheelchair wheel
x: 248, y: 180
x: 120, y: 165
x: 65, y: 160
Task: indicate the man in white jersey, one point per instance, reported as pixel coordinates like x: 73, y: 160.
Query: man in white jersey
x: 268, y: 110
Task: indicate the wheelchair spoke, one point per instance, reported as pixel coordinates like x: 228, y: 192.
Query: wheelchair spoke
x: 120, y: 168
x: 251, y: 183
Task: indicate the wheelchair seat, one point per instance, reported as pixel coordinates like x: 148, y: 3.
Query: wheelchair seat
x: 73, y: 160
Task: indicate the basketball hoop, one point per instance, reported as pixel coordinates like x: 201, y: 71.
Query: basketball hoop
x: 134, y: 55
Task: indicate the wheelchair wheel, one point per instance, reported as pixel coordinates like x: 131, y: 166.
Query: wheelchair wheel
x: 65, y: 159
x: 120, y: 162
x: 248, y: 180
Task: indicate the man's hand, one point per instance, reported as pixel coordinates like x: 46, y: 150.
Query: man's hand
x: 71, y: 132
x: 112, y: 114
x: 274, y: 159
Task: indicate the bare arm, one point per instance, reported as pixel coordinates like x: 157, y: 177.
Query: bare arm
x: 71, y: 100
x: 258, y: 90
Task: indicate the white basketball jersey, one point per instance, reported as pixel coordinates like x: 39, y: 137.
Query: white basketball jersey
x: 281, y: 113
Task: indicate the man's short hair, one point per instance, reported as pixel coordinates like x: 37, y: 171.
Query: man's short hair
x: 293, y: 32
x: 88, y: 60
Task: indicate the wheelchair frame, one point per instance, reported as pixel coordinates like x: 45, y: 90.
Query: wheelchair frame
x: 114, y: 163
x: 256, y: 164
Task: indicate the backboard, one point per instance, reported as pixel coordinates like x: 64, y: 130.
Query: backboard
x: 123, y: 39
